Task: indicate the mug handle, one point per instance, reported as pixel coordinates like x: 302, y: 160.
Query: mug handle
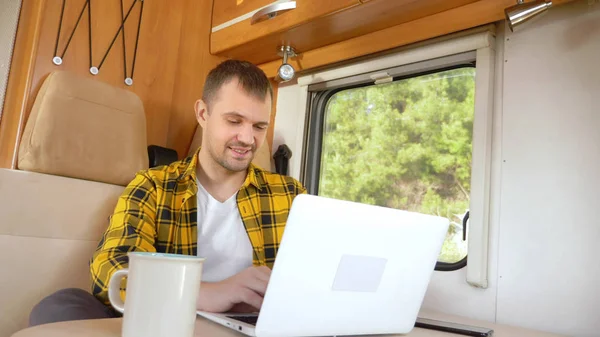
x: 114, y: 290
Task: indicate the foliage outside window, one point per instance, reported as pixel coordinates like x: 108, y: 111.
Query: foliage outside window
x: 405, y: 144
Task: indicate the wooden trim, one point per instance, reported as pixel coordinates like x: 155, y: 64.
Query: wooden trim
x: 20, y: 80
x: 271, y: 130
x: 454, y: 20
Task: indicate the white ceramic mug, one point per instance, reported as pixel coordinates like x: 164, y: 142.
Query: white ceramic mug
x: 161, y: 294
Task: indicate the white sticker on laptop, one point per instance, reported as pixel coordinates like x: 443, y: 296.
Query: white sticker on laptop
x: 359, y: 273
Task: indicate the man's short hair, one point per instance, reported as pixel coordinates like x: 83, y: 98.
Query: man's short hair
x: 250, y: 77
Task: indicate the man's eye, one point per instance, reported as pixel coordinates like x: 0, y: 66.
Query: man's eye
x: 260, y: 127
x: 232, y: 121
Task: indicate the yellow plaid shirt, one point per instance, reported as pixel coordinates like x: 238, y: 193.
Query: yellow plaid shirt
x: 157, y: 212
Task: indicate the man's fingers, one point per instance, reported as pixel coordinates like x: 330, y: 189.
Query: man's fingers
x: 256, y: 284
x: 243, y: 308
x: 263, y: 273
x: 264, y: 269
x: 250, y: 297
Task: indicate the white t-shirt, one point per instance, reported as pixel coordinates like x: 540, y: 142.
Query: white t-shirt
x: 222, y: 237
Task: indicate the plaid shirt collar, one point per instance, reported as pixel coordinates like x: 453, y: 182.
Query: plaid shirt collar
x: 189, y: 173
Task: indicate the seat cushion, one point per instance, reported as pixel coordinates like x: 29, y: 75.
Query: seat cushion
x: 49, y: 229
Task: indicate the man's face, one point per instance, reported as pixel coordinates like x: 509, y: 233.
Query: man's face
x: 234, y: 126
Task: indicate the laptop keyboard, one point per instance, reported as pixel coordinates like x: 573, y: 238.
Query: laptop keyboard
x: 250, y: 319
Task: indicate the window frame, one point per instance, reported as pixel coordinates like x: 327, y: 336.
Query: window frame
x: 480, y: 41
x: 319, y: 98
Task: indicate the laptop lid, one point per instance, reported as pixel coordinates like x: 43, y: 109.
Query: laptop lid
x: 345, y: 268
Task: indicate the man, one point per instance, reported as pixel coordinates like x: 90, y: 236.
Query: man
x: 215, y: 204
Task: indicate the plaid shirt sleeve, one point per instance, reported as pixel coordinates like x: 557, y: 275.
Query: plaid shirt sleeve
x: 131, y: 228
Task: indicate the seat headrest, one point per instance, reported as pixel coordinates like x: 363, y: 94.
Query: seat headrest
x: 262, y: 158
x: 84, y: 128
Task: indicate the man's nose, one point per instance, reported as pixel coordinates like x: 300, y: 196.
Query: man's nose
x: 246, y: 135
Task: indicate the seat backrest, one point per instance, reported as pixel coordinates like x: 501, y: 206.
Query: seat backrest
x: 262, y: 158
x: 84, y: 128
x: 83, y: 141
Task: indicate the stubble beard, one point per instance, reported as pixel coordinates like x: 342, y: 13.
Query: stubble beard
x: 233, y: 164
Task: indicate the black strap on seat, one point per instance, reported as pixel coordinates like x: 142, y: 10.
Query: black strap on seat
x: 159, y: 155
x: 282, y: 157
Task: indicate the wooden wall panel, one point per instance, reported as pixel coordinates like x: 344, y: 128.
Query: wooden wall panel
x: 156, y: 56
x: 19, y: 79
x: 9, y: 19
x: 172, y: 60
x: 194, y: 63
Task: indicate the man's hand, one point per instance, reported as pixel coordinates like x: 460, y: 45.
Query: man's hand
x: 242, y: 292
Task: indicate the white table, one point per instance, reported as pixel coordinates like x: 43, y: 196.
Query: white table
x: 204, y: 328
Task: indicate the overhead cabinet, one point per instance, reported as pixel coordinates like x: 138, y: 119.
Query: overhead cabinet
x: 255, y: 30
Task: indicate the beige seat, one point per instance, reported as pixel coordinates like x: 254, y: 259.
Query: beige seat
x: 83, y: 142
x: 87, y: 129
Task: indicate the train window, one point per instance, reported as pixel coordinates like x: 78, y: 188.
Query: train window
x: 405, y: 143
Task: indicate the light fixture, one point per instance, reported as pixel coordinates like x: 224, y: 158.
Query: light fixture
x: 524, y: 11
x: 286, y: 72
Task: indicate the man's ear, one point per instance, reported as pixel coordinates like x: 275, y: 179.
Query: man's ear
x: 201, y: 112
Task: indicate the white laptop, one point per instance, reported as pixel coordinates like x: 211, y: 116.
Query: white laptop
x: 345, y: 268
